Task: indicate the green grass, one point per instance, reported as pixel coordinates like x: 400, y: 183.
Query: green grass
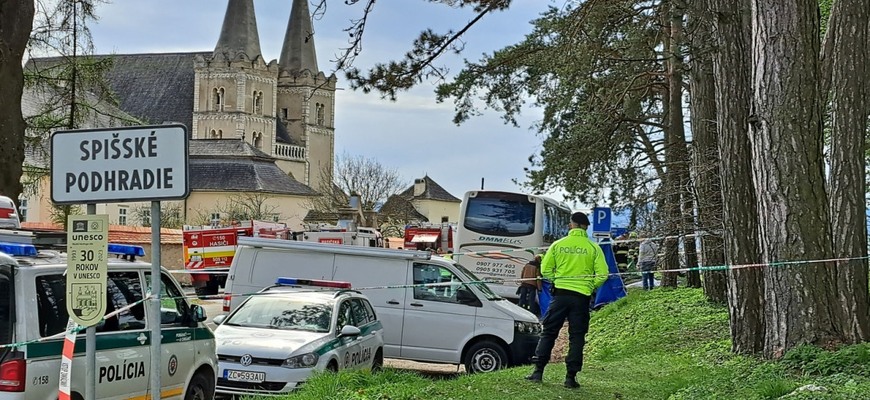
x: 663, y: 344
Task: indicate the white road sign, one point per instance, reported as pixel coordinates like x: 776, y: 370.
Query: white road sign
x: 140, y: 163
x: 87, y: 267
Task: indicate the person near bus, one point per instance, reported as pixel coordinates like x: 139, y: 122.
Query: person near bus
x: 577, y: 266
x: 530, y: 284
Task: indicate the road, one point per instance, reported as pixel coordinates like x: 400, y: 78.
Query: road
x: 214, y: 308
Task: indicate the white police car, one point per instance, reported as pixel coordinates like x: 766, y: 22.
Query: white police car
x: 33, y: 318
x: 276, y: 339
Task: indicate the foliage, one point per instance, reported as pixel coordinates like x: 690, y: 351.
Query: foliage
x: 59, y: 213
x: 240, y: 207
x: 365, y: 177
x: 171, y: 215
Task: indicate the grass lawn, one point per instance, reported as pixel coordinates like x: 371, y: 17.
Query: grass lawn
x: 663, y: 344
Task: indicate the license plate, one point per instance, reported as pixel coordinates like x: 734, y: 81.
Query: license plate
x: 244, y: 376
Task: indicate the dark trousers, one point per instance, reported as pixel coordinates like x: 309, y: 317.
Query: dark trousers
x: 527, y: 296
x: 649, y: 281
x: 574, y: 308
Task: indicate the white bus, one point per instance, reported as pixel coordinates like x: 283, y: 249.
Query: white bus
x: 512, y: 228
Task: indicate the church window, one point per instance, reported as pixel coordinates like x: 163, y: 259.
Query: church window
x: 258, y: 140
x: 218, y: 99
x: 257, y: 103
x: 284, y: 113
x: 320, y: 113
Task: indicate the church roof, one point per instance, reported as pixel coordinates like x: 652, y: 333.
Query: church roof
x: 239, y: 32
x: 199, y: 148
x: 298, y: 53
x: 432, y: 191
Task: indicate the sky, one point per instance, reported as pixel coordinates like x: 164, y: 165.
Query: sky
x: 414, y: 134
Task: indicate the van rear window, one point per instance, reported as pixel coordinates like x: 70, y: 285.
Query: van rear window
x: 7, y: 297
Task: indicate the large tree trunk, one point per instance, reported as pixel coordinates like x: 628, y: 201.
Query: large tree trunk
x: 705, y: 152
x: 16, y: 21
x: 675, y: 139
x: 733, y: 94
x: 847, y: 189
x: 801, y: 301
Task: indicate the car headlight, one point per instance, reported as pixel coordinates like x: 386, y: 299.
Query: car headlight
x: 306, y: 360
x: 528, y: 327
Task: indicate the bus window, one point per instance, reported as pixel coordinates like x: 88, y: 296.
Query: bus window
x: 500, y: 214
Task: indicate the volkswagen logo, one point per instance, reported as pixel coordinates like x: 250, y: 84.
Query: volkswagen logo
x: 246, y: 360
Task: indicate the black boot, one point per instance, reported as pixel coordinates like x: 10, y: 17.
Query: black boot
x: 537, y: 375
x: 571, y: 382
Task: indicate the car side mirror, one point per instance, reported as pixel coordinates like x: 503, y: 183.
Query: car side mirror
x: 219, y: 319
x: 349, y: 331
x: 198, y: 313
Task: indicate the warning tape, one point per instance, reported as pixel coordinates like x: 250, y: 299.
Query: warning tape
x: 77, y: 329
x: 69, y: 345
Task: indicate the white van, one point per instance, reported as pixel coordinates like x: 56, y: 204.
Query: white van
x: 455, y: 323
x: 33, y: 311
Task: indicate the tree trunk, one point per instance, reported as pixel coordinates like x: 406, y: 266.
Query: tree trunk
x: 705, y: 154
x: 847, y: 189
x: 16, y: 21
x: 733, y: 94
x: 675, y: 140
x: 801, y: 302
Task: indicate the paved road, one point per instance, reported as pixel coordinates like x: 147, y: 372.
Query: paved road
x: 214, y: 308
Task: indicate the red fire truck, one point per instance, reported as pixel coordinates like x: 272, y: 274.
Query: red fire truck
x: 208, y: 251
x: 429, y: 235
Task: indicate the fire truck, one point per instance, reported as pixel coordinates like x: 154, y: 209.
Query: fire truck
x: 429, y: 235
x: 209, y: 250
x: 334, y: 234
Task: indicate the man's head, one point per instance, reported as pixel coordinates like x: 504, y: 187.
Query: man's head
x: 579, y: 220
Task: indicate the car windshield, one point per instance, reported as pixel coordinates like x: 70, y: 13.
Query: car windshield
x: 282, y: 312
x: 487, y: 292
x: 6, y: 304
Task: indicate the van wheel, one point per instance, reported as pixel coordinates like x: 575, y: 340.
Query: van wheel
x: 378, y: 361
x: 332, y: 366
x: 199, y: 388
x: 485, y: 356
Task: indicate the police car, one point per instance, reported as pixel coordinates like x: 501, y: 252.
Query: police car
x: 33, y: 317
x: 276, y: 339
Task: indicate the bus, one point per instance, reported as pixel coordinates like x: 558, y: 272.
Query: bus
x: 499, y: 232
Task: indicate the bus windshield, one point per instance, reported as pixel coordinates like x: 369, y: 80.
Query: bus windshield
x: 500, y: 214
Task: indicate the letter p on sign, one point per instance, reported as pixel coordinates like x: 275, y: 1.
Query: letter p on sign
x: 601, y: 220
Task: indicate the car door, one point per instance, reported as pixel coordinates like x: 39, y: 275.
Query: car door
x: 436, y: 325
x: 365, y: 320
x: 123, y: 356
x: 349, y: 344
x: 177, y: 344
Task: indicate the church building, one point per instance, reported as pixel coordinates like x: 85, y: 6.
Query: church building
x: 261, y: 132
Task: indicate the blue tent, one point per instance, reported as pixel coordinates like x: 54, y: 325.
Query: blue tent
x: 614, y: 288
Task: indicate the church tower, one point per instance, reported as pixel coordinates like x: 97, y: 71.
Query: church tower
x: 305, y: 101
x: 234, y: 88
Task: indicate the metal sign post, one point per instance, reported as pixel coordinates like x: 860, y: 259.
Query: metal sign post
x: 156, y: 336
x: 139, y: 163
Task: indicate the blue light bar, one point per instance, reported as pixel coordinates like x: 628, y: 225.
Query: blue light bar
x: 18, y: 249
x: 287, y: 281
x: 126, y: 250
x: 312, y: 282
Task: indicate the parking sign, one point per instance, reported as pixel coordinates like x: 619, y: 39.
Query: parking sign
x: 601, y: 217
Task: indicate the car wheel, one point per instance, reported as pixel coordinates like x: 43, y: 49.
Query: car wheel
x: 378, y: 361
x: 485, y: 356
x: 332, y: 366
x: 199, y: 388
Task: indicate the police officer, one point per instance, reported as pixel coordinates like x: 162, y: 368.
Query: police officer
x: 576, y: 265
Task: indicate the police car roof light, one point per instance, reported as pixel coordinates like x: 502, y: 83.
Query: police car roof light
x: 126, y: 250
x: 18, y: 249
x: 312, y: 282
